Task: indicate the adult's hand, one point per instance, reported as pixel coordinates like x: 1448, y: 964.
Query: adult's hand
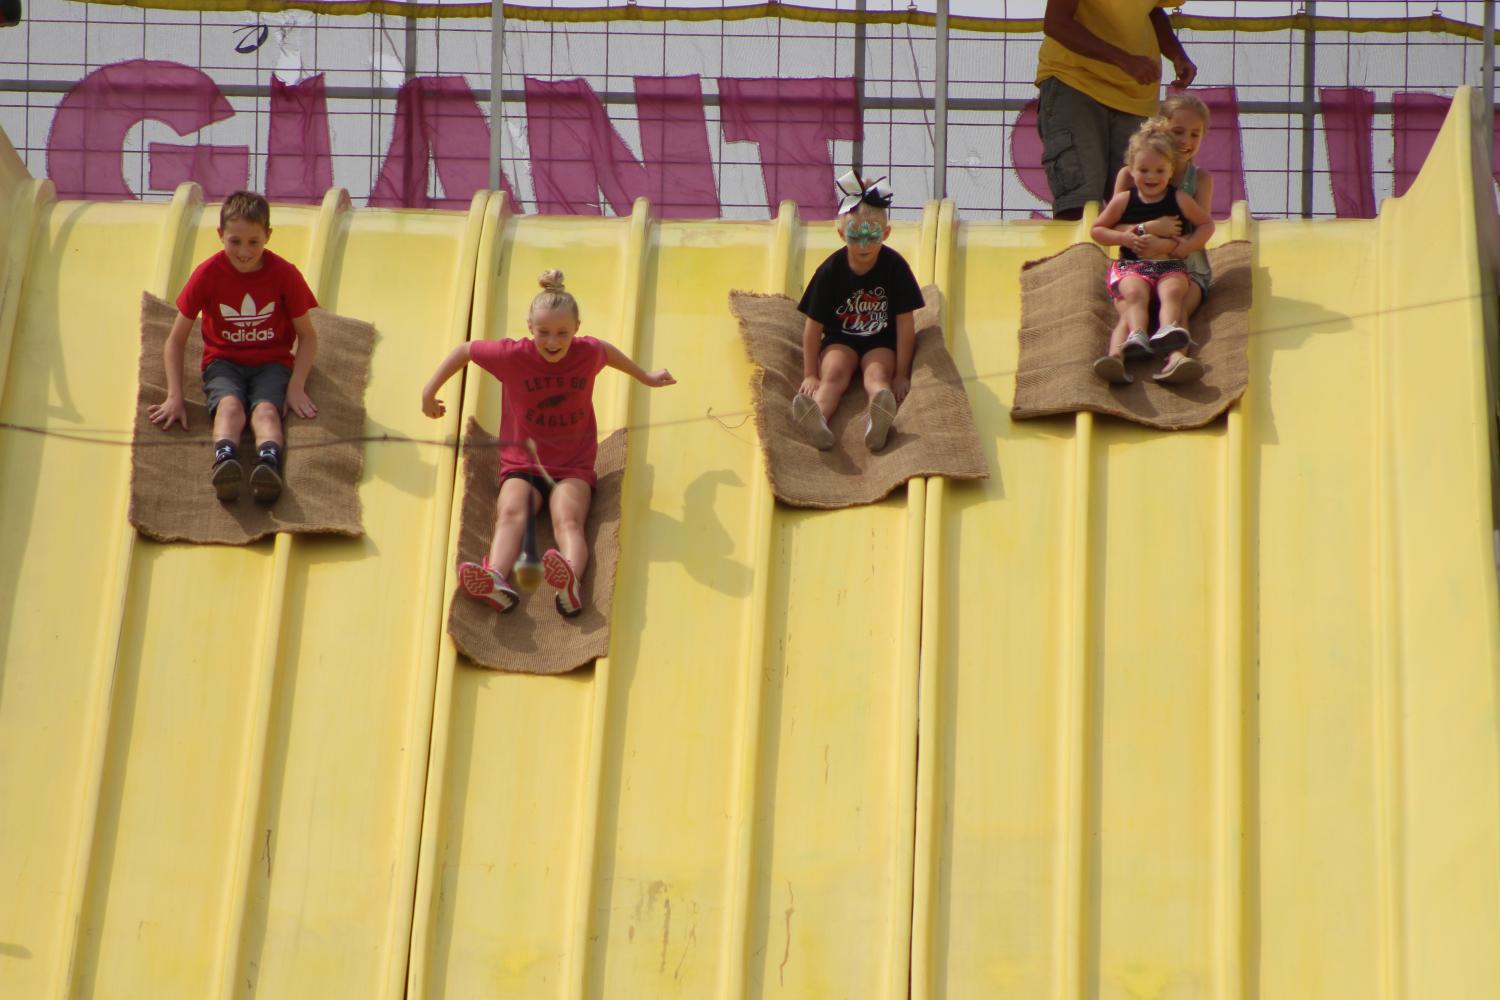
x: 1186, y: 72
x: 1142, y: 69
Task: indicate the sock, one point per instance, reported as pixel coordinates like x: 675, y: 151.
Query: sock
x: 269, y: 453
x: 223, y: 449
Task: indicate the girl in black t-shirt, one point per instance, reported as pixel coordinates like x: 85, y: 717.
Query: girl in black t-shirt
x: 859, y: 307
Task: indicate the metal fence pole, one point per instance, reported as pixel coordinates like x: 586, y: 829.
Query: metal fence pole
x: 1309, y: 107
x: 497, y: 94
x: 940, y: 107
x: 859, y: 86
x: 1489, y: 68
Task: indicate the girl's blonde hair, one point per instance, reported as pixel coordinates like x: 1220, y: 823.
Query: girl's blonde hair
x: 1180, y: 100
x: 553, y: 295
x: 1154, y: 135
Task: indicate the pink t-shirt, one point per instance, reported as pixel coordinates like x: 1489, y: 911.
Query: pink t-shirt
x: 552, y: 403
x: 247, y: 318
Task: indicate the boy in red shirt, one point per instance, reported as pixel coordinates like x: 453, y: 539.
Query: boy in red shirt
x: 548, y: 405
x: 255, y: 307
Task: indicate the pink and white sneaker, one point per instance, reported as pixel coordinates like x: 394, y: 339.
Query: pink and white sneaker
x: 486, y: 585
x: 561, y: 576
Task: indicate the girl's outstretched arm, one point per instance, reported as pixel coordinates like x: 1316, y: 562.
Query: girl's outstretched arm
x: 456, y: 359
x: 616, y: 359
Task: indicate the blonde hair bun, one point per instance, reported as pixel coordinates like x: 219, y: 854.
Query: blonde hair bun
x: 551, y: 281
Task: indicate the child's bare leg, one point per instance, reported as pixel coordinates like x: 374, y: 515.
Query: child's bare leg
x: 570, y: 508
x: 1190, y: 306
x: 1134, y: 305
x: 229, y: 420
x: 878, y: 367
x: 1120, y: 332
x: 1172, y: 292
x: 265, y: 421
x: 835, y: 370
x: 510, y: 523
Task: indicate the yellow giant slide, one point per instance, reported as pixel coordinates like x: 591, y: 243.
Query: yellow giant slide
x: 1170, y: 716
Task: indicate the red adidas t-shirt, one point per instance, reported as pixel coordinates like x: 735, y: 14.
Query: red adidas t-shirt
x: 247, y: 318
x: 552, y: 403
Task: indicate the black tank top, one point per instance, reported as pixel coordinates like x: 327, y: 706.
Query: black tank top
x: 1137, y: 212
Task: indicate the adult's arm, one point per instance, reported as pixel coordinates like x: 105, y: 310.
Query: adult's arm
x: 1172, y: 48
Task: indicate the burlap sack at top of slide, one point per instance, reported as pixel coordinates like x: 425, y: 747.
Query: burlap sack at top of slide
x: 171, y: 499
x: 933, y: 434
x: 1066, y: 317
x: 532, y: 638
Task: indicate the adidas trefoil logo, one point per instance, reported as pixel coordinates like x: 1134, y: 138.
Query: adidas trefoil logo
x: 246, y: 323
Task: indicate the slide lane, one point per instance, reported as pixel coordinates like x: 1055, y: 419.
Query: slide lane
x: 336, y: 827
x: 638, y: 828
x: 508, y: 819
x: 1084, y: 799
x: 197, y: 655
x: 62, y: 546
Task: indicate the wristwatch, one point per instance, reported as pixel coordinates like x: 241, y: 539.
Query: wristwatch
x: 1139, y: 229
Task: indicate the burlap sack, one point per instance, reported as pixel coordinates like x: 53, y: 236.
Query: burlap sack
x: 532, y: 638
x: 171, y: 499
x: 1066, y: 317
x: 933, y: 434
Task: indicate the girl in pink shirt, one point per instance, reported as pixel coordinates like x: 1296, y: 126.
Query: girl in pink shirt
x: 548, y: 440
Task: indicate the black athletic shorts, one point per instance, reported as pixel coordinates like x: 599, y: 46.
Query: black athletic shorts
x: 860, y: 345
x: 538, y: 483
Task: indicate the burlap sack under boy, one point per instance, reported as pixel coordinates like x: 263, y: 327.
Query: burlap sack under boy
x: 933, y: 434
x: 1066, y: 317
x: 171, y: 498
x: 532, y: 638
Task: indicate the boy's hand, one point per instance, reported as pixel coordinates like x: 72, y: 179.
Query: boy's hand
x: 659, y: 378
x: 900, y: 387
x: 432, y: 406
x: 809, y: 386
x: 298, y: 403
x: 169, y: 411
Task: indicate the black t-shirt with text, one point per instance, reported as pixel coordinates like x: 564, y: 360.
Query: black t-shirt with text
x: 860, y: 305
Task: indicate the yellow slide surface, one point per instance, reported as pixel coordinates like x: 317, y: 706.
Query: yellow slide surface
x: 1144, y: 715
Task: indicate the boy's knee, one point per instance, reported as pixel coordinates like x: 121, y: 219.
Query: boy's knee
x: 265, y: 411
x: 230, y: 406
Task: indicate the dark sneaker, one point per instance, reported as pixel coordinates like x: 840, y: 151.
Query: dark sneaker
x: 265, y: 483
x: 486, y: 586
x: 560, y: 575
x: 226, y: 478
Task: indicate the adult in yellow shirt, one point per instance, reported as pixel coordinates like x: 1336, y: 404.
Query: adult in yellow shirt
x: 1099, y: 73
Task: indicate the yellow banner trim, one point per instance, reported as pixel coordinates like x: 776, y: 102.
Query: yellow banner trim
x: 1429, y: 24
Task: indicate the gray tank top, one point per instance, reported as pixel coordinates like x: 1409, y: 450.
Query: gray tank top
x: 1197, y: 261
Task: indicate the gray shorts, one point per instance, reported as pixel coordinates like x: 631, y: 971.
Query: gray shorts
x: 251, y: 384
x: 1083, y: 144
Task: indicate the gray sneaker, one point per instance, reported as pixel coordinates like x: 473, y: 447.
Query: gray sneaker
x: 1138, y: 347
x: 807, y: 416
x: 878, y: 421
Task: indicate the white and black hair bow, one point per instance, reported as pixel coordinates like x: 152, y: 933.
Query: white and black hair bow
x: 852, y: 190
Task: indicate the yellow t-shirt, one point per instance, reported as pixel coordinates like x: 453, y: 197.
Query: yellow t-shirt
x: 1123, y: 23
